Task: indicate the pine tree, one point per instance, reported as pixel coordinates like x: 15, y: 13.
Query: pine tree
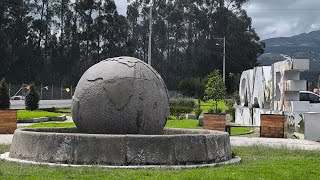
x: 32, y: 99
x: 4, y: 95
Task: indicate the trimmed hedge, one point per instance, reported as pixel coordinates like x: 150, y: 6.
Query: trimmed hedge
x: 178, y: 107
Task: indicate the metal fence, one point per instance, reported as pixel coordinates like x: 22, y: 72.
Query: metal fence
x: 46, y: 92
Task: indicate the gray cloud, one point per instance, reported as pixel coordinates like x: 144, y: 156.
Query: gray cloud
x: 121, y: 6
x: 280, y: 18
x: 275, y: 18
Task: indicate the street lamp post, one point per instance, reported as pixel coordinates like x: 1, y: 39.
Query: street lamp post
x: 224, y: 56
x: 41, y: 88
x: 150, y: 5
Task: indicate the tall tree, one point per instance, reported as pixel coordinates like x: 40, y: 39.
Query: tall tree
x: 55, y: 41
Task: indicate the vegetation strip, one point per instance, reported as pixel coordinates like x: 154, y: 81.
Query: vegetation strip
x: 257, y: 162
x: 25, y: 114
x: 187, y: 124
x: 6, y: 157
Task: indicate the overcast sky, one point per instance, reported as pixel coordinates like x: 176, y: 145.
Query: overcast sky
x: 276, y: 18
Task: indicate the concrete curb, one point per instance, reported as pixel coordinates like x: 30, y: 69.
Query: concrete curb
x: 34, y: 120
x: 61, y: 118
x: 43, y: 119
x: 6, y: 157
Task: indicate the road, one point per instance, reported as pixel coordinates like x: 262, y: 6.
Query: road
x: 19, y: 104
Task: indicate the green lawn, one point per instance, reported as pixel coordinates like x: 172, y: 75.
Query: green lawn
x: 239, y: 131
x: 24, y: 114
x: 189, y: 124
x: 64, y: 111
x: 206, y: 105
x: 186, y: 123
x: 257, y: 163
x: 52, y: 125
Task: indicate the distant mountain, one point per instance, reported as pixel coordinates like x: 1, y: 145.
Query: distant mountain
x: 302, y: 46
x: 298, y: 47
x: 311, y: 39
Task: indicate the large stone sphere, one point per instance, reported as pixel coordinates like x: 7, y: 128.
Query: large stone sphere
x: 120, y: 95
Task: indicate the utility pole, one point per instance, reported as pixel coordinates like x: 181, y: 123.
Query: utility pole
x: 150, y: 33
x: 224, y: 56
x: 224, y: 59
x: 318, y: 84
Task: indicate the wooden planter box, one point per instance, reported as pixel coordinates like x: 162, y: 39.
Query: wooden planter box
x: 272, y: 126
x: 214, y: 121
x: 8, y: 121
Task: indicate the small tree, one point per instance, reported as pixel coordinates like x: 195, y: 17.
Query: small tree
x: 4, y: 95
x: 215, y: 88
x: 32, y: 99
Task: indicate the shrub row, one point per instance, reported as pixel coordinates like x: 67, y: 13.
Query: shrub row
x: 179, y: 107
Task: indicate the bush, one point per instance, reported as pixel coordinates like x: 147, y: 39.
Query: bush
x: 178, y: 107
x: 215, y: 110
x: 236, y: 97
x: 4, y: 95
x: 198, y: 112
x: 172, y: 118
x: 231, y: 110
x: 193, y: 87
x: 182, y: 102
x: 178, y: 111
x: 32, y: 99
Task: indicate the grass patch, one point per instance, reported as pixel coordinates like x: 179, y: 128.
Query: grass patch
x: 4, y: 148
x: 186, y: 123
x: 257, y: 163
x: 63, y: 111
x: 206, y: 105
x: 240, y: 130
x: 66, y: 111
x: 24, y: 114
x: 52, y: 125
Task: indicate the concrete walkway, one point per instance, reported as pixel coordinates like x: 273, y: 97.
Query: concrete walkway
x: 5, y: 139
x: 240, y: 141
x: 275, y: 143
x: 69, y: 119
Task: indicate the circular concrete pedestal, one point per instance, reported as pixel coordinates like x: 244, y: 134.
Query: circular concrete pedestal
x: 68, y: 146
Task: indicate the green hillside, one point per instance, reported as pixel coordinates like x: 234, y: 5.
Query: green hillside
x: 302, y: 46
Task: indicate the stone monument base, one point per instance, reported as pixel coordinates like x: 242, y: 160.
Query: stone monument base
x: 68, y: 146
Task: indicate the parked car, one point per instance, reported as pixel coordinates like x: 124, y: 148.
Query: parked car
x: 309, y: 96
x: 17, y: 98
